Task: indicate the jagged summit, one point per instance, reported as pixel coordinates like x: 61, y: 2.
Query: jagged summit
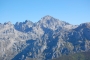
x: 45, y: 22
x: 23, y: 26
x: 85, y: 24
x: 8, y: 23
x: 25, y: 22
x: 51, y: 23
x: 47, y: 17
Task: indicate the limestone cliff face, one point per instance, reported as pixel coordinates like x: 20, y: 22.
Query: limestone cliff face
x: 47, y: 39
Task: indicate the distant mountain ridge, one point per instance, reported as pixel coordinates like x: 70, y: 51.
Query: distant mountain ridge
x: 46, y: 39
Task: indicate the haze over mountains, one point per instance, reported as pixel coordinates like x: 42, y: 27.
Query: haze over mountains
x: 46, y: 39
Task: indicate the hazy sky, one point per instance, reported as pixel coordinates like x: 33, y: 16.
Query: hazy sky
x: 72, y: 11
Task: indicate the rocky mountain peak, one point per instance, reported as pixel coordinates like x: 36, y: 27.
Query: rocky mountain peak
x: 23, y: 26
x: 50, y: 20
x: 51, y: 23
x: 47, y: 39
x: 47, y: 17
x: 7, y: 23
x: 85, y: 25
x: 28, y: 22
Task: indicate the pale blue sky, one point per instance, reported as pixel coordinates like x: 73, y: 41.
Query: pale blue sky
x: 72, y: 11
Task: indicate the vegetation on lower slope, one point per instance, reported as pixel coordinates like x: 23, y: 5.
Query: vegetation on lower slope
x: 76, y: 56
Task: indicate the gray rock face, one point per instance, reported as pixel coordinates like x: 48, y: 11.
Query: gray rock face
x: 23, y: 26
x: 47, y: 39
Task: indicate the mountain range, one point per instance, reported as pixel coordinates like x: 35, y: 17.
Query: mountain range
x: 46, y: 39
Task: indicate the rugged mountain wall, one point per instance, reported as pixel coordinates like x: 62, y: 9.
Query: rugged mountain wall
x: 47, y: 39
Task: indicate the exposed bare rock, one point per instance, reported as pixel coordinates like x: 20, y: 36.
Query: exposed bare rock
x: 47, y: 39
